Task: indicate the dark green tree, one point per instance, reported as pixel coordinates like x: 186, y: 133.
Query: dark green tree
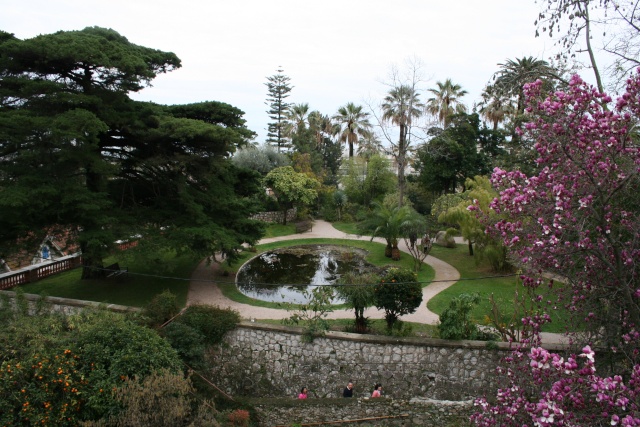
x: 77, y: 154
x: 461, y: 151
x: 278, y: 89
x: 358, y: 294
x: 312, y: 137
x: 398, y: 294
x: 327, y: 145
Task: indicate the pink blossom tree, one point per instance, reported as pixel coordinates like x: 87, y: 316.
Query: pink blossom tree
x: 577, y: 221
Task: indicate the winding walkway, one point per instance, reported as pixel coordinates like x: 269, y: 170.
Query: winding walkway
x: 202, y: 290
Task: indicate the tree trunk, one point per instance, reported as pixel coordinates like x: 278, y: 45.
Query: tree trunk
x: 592, y: 58
x: 395, y: 253
x: 387, y: 251
x: 470, y: 247
x: 92, y: 268
x: 361, y: 321
x: 401, y: 160
x: 390, y: 318
x: 94, y: 253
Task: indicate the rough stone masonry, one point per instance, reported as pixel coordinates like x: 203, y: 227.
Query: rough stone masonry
x: 274, y: 361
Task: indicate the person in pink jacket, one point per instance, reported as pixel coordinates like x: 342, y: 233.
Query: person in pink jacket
x: 303, y: 393
x: 377, y: 390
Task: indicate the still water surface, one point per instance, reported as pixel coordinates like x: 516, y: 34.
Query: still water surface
x: 283, y: 274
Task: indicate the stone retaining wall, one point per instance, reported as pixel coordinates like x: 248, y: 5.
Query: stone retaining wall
x: 64, y: 305
x: 363, y: 412
x: 273, y: 361
x: 275, y: 216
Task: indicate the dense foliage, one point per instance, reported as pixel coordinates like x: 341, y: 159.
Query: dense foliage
x: 79, y: 157
x: 365, y: 181
x: 260, y: 159
x: 463, y: 150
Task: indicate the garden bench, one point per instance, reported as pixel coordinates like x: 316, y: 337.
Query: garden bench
x: 302, y: 226
x: 114, y: 270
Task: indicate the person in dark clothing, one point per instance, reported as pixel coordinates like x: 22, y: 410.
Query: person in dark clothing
x: 348, y: 391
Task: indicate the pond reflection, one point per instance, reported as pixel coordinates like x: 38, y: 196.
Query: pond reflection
x: 283, y: 274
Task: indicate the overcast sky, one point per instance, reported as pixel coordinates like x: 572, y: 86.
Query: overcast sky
x: 334, y: 51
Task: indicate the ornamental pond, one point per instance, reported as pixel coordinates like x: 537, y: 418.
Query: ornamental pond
x: 283, y: 275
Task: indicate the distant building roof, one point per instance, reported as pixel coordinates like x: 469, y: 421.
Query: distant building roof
x: 56, y: 244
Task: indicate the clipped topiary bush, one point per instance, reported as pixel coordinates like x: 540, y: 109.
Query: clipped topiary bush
x: 211, y: 321
x: 187, y: 341
x: 398, y: 293
x: 161, y: 308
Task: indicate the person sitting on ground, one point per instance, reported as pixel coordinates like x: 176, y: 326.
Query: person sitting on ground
x: 348, y: 391
x: 377, y: 390
x: 303, y: 393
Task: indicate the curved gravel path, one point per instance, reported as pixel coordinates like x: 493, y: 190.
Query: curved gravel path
x: 203, y: 291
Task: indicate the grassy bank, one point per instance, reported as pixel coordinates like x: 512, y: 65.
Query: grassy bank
x: 483, y: 281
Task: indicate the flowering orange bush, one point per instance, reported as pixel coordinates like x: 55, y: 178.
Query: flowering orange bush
x: 239, y: 418
x: 48, y: 391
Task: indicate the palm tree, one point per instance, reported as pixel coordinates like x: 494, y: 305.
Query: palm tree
x: 354, y: 123
x: 446, y: 101
x: 514, y: 74
x: 322, y: 126
x: 390, y: 223
x: 400, y: 107
x: 369, y: 146
x: 296, y: 118
x: 495, y: 108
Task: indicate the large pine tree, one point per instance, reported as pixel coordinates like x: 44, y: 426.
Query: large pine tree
x: 277, y: 91
x: 77, y: 153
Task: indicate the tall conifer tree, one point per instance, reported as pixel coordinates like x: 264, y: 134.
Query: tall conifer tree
x: 277, y: 91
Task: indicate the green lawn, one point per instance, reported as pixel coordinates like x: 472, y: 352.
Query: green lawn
x: 346, y: 227
x: 136, y: 290
x: 377, y: 326
x: 503, y: 288
x: 375, y: 257
x: 277, y: 230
